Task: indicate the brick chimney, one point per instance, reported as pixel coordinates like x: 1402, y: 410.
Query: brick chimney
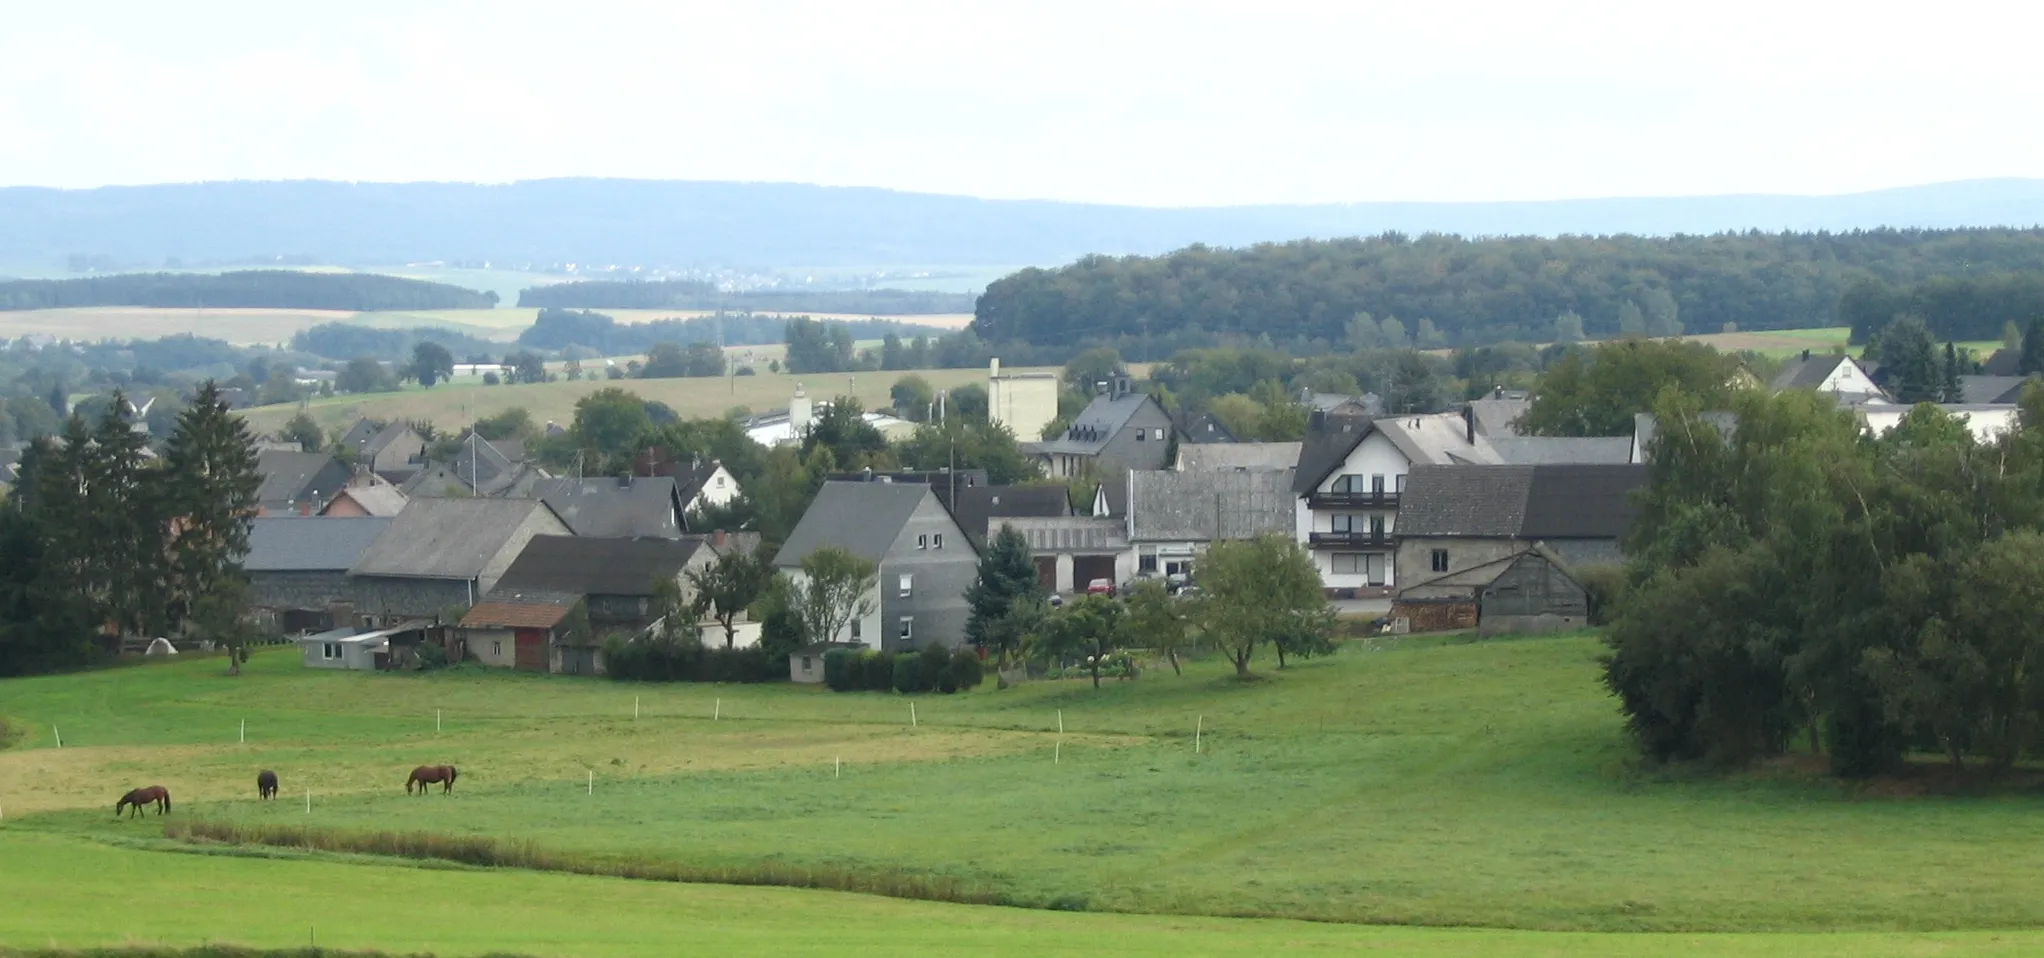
x: 718, y: 538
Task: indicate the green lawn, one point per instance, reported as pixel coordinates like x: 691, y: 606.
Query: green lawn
x: 1466, y: 785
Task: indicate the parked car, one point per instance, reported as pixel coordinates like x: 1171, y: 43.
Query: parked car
x: 1100, y: 587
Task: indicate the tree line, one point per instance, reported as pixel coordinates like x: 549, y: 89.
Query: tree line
x: 342, y: 341
x: 262, y: 288
x: 1917, y: 563
x: 692, y: 294
x: 603, y: 335
x: 1962, y: 308
x: 1478, y: 291
x: 102, y: 538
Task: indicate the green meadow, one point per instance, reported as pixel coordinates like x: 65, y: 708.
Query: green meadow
x: 1408, y: 783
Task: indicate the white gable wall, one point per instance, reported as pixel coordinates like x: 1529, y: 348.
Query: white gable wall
x: 1848, y: 378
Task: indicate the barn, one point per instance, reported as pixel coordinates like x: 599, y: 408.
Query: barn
x: 1528, y: 591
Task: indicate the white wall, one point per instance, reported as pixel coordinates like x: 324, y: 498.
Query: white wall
x: 1848, y: 378
x: 1375, y: 455
x: 869, y: 627
x: 719, y: 489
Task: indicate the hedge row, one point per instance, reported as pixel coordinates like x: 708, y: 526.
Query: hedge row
x: 935, y: 669
x: 674, y: 660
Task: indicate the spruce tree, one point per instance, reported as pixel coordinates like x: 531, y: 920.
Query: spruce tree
x: 1952, y: 390
x: 128, y: 522
x: 1909, y: 356
x: 1006, y: 574
x: 209, y: 483
x: 2031, y: 361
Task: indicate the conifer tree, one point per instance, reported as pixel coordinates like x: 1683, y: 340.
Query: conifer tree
x: 210, y: 482
x: 1006, y: 574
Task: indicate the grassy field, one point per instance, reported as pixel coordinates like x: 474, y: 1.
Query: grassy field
x: 252, y: 326
x: 1418, y: 784
x: 453, y: 405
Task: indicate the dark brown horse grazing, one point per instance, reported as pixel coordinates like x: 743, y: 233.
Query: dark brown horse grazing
x: 426, y: 775
x: 155, y: 795
x: 266, y: 784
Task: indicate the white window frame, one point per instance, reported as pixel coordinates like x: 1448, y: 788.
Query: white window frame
x: 923, y: 541
x: 937, y: 541
x: 497, y: 648
x: 908, y: 584
x: 329, y: 651
x: 908, y: 627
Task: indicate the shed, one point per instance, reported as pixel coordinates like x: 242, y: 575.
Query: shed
x: 1528, y: 591
x: 518, y: 629
x: 346, y: 648
x: 805, y: 665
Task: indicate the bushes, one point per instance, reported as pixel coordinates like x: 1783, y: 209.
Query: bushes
x: 685, y: 660
x: 1606, y: 585
x: 935, y: 669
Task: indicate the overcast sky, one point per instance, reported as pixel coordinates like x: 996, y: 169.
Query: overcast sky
x: 1165, y: 104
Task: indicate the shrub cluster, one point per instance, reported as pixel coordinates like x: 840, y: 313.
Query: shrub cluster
x: 935, y: 669
x: 683, y: 660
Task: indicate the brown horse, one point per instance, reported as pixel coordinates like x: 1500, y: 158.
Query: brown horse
x: 155, y: 795
x: 266, y: 784
x: 426, y: 775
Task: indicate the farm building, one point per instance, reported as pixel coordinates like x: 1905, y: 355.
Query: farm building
x: 926, y: 560
x: 363, y: 651
x: 1528, y: 591
x: 297, y: 570
x: 513, y: 629
x: 441, y: 554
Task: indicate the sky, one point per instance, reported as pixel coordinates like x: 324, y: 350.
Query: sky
x: 1115, y: 101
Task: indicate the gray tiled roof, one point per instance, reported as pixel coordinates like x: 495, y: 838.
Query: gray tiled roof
x: 1096, y: 425
x: 445, y: 538
x: 1495, y: 415
x: 1203, y: 506
x: 862, y: 518
x: 1570, y: 501
x: 294, y: 477
x: 976, y: 506
x: 309, y: 543
x: 597, y: 566
x: 1992, y: 389
x: 1550, y: 450
x: 378, y: 499
x: 1238, y: 455
x: 613, y: 507
x: 1422, y: 438
x: 1807, y: 372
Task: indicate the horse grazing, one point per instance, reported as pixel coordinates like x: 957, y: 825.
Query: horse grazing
x: 426, y: 775
x: 155, y: 795
x: 266, y: 784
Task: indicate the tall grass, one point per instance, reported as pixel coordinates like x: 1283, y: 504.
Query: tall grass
x: 525, y: 854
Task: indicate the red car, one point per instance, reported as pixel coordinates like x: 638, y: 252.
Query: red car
x: 1100, y: 587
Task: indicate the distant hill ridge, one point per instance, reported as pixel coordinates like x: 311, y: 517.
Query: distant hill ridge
x: 780, y: 225
x: 264, y: 289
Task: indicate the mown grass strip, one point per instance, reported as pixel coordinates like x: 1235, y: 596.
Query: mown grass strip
x: 213, y: 951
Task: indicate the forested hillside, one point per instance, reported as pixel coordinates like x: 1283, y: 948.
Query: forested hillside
x: 350, y: 340
x: 688, y: 294
x: 1954, y: 307
x: 267, y: 288
x: 1446, y: 290
x: 561, y: 328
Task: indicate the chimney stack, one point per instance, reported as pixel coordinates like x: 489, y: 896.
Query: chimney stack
x: 1469, y: 423
x: 717, y: 538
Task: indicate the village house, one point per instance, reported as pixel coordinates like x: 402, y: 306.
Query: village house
x: 297, y: 568
x: 444, y: 554
x: 1221, y: 457
x: 1458, y: 517
x: 1175, y: 516
x: 1837, y: 374
x: 980, y: 510
x: 392, y: 450
x: 1528, y: 591
x: 926, y: 560
x: 479, y: 469
x: 1349, y: 484
x: 297, y: 483
x: 368, y: 495
x: 1119, y: 430
x: 618, y: 581
x: 517, y: 629
x: 611, y: 507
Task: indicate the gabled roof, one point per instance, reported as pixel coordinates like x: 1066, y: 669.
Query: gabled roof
x: 1531, y: 502
x: 1495, y: 415
x: 483, y: 466
x: 368, y: 439
x: 360, y: 433
x: 1981, y: 390
x: 572, y: 564
x: 377, y: 499
x: 863, y: 518
x: 1096, y: 425
x: 1167, y: 505
x: 1438, y: 438
x: 976, y: 506
x: 298, y: 477
x: 1556, y: 450
x: 1809, y: 371
x: 446, y: 538
x: 1203, y: 428
x: 614, y: 507
x: 1265, y: 456
x: 309, y: 543
x: 2004, y: 362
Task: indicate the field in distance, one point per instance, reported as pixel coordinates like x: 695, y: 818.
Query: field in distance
x: 452, y: 405
x: 246, y: 327
x: 1409, y: 782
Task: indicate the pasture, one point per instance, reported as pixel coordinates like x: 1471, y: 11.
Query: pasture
x: 453, y: 405
x: 1409, y: 783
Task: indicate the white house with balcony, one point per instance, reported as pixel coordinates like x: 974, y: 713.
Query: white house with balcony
x: 1351, y: 474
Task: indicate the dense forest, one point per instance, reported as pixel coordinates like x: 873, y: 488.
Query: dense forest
x: 1463, y: 291
x: 688, y: 294
x: 603, y: 334
x: 350, y: 340
x: 262, y: 288
x: 1954, y: 307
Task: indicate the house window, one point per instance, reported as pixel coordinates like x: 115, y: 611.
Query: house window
x: 805, y: 663
x: 1348, y: 483
x: 720, y: 485
x: 329, y: 650
x: 855, y: 629
x: 937, y: 541
x: 1373, y: 566
x: 1345, y: 522
x: 496, y: 647
x: 922, y: 542
x: 1377, y: 485
x: 908, y: 627
x: 1142, y: 434
x: 1440, y: 560
x: 1146, y: 563
x: 1377, y: 527
x: 907, y: 585
x: 1400, y: 483
x: 1348, y: 563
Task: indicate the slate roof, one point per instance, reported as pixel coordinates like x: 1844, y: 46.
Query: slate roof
x: 1555, y: 450
x: 1173, y: 506
x: 1809, y: 371
x: 976, y: 506
x: 862, y: 518
x: 1645, y: 427
x: 1495, y: 415
x: 445, y: 538
x: 1438, y: 438
x: 1265, y: 456
x: 1203, y: 428
x: 483, y: 466
x: 297, y: 477
x: 941, y: 481
x: 309, y: 543
x: 614, y: 507
x: 1984, y: 390
x: 1530, y: 502
x: 360, y: 433
x: 1095, y: 426
x: 377, y: 499
x: 510, y: 609
x: 572, y: 564
x: 2004, y: 362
